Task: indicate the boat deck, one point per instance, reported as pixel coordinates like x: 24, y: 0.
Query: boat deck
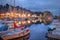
x: 15, y: 35
x: 53, y: 35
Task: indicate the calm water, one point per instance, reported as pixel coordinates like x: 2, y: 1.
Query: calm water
x: 38, y: 32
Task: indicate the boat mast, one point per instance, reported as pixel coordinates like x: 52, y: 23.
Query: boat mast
x: 14, y: 3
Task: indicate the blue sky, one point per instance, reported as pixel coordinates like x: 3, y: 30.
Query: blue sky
x: 36, y: 5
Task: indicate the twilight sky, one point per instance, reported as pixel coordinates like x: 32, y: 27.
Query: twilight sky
x: 36, y: 5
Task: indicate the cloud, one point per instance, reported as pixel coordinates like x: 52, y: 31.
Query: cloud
x: 36, y: 5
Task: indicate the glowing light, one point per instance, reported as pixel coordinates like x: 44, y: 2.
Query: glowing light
x: 29, y: 21
x: 11, y: 14
x: 23, y: 22
x: 7, y: 13
x: 28, y: 15
x: 33, y: 20
x: 19, y: 22
x: 24, y: 15
x: 34, y: 15
x: 19, y: 15
x: 40, y: 20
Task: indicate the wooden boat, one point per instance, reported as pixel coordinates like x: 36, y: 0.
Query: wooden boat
x: 22, y: 35
x: 15, y: 33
